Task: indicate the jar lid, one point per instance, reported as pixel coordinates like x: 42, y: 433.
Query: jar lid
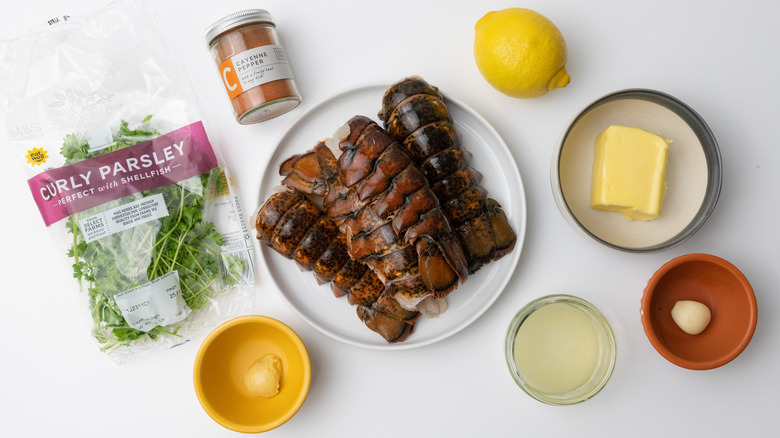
x: 234, y: 20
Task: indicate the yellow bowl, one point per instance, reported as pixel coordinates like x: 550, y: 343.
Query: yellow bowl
x: 224, y: 358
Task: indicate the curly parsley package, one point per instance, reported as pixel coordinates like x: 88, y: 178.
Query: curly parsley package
x: 122, y: 170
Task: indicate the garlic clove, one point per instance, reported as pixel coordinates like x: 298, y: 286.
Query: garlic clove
x: 691, y: 316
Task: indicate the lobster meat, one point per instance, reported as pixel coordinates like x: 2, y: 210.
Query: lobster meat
x: 416, y: 116
x: 296, y: 228
x: 382, y: 203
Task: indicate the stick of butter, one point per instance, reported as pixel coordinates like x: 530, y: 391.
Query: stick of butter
x: 629, y: 171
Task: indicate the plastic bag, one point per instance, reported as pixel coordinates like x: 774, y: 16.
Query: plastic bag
x: 121, y: 168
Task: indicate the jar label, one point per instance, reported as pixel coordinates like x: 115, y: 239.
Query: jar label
x: 254, y: 67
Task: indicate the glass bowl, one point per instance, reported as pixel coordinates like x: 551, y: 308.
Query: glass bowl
x: 560, y: 349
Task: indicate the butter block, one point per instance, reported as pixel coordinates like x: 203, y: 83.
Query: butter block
x: 629, y: 172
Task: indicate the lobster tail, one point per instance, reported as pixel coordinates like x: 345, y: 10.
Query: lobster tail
x: 296, y: 228
x: 402, y: 195
x: 416, y: 116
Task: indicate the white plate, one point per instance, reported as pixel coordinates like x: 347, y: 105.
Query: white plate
x: 335, y: 317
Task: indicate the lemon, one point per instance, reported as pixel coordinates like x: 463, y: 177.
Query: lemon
x: 520, y: 52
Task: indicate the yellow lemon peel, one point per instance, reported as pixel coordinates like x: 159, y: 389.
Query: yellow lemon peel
x: 520, y: 52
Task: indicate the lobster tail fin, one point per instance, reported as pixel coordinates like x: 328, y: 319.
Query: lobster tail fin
x: 442, y: 264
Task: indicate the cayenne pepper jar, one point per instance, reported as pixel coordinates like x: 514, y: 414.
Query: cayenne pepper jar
x: 253, y: 65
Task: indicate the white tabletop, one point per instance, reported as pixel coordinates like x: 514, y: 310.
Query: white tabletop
x: 718, y: 58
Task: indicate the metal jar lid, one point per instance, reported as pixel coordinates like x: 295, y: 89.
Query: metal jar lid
x: 237, y: 19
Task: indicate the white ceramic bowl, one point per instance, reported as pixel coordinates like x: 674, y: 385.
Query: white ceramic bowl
x: 693, y: 172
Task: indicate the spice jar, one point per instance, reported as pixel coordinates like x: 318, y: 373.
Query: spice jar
x: 253, y: 65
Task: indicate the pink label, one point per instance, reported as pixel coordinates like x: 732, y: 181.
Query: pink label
x: 165, y: 160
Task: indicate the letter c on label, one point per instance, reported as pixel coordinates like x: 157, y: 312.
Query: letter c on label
x: 224, y: 78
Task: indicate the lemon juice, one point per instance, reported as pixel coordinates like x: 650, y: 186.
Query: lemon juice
x: 558, y: 349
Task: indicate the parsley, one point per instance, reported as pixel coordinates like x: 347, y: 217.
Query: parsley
x: 182, y: 241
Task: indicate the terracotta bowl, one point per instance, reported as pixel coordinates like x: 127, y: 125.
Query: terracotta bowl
x: 720, y: 286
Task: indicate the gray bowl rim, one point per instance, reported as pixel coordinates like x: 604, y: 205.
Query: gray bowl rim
x: 706, y: 139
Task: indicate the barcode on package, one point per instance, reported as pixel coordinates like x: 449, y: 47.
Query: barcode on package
x: 123, y: 217
x: 158, y: 302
